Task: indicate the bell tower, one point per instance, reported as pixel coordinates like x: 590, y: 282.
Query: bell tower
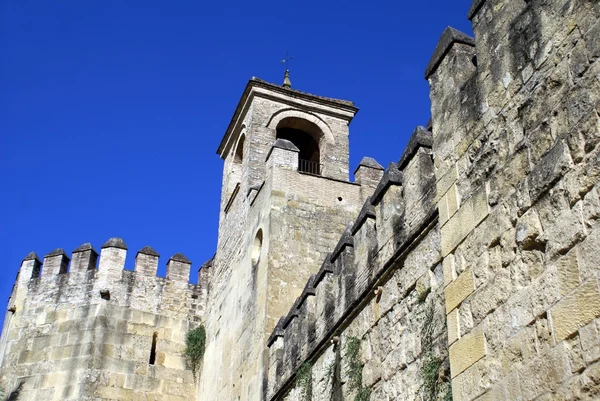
x: 286, y: 198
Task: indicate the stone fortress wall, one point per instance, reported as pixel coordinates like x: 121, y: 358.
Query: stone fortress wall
x: 503, y: 244
x: 75, y: 331
x: 470, y: 272
x: 389, y: 297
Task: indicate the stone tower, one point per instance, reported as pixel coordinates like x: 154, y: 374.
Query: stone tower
x: 83, y: 327
x: 286, y: 199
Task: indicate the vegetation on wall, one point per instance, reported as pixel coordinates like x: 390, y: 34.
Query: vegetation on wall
x: 436, y: 386
x: 304, y: 381
x: 354, y: 369
x: 195, y: 345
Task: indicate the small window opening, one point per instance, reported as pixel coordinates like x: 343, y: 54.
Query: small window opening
x: 234, y: 176
x: 153, y: 349
x: 257, y: 248
x: 239, y: 151
x: 105, y: 294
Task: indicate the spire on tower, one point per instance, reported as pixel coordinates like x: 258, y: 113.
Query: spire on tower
x: 286, y: 78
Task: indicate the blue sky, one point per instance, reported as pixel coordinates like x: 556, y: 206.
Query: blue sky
x: 111, y: 111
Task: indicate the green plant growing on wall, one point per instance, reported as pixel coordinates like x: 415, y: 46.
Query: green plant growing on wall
x: 330, y: 371
x: 195, y: 345
x: 430, y: 375
x: 304, y: 381
x: 354, y: 369
x: 434, y: 387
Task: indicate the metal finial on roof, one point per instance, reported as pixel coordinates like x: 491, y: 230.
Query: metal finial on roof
x: 286, y: 80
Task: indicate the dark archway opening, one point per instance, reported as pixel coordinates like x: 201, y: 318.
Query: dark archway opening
x: 310, y: 155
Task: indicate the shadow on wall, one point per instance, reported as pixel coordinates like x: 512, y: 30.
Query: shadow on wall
x: 14, y: 395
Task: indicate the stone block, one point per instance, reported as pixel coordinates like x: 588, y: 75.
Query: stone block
x: 544, y: 373
x: 592, y: 41
x: 442, y: 206
x: 446, y: 181
x: 590, y: 342
x: 453, y: 200
x: 529, y: 229
x: 575, y: 310
x: 453, y: 324
x: 466, y: 351
x: 472, y: 212
x: 480, y: 205
x: 568, y: 272
x: 549, y: 170
x: 449, y: 269
x: 62, y: 352
x: 459, y: 290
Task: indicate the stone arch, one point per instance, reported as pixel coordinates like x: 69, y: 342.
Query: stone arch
x: 302, y: 115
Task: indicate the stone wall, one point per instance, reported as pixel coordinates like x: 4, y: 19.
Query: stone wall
x: 516, y: 127
x: 516, y: 122
x: 372, y: 320
x: 86, y: 333
x: 299, y: 217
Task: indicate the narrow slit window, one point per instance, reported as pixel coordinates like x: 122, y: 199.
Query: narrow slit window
x: 153, y: 349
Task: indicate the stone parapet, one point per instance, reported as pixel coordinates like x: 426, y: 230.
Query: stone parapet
x: 81, y: 268
x: 364, y: 258
x: 104, y: 333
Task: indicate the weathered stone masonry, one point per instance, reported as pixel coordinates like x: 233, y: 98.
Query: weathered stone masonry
x: 468, y: 270
x: 515, y: 122
x: 87, y: 333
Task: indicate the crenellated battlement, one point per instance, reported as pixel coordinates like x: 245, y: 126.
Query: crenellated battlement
x: 88, y: 277
x: 391, y: 223
x: 88, y: 317
x: 111, y: 258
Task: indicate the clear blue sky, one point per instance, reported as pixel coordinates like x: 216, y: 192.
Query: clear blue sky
x: 111, y: 111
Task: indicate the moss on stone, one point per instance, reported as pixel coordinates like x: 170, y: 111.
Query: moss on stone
x: 304, y: 381
x: 354, y: 369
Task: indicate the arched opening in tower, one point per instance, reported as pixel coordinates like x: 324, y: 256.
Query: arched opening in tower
x: 306, y: 136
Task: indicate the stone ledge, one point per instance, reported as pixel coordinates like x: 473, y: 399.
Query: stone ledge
x: 115, y: 243
x: 367, y: 211
x: 391, y: 176
x: 370, y: 163
x: 346, y: 241
x: 448, y: 38
x: 420, y: 137
x: 474, y: 9
x: 326, y: 268
x: 147, y: 250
